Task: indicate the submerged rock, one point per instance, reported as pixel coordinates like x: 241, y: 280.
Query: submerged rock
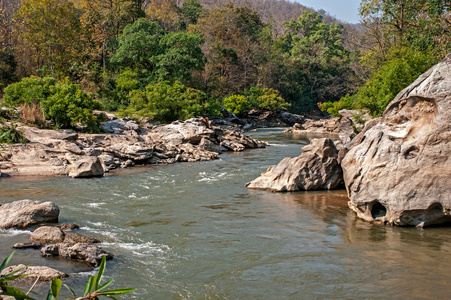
x: 398, y: 169
x: 28, y: 245
x: 25, y: 213
x: 81, y: 251
x: 317, y: 168
x: 73, y: 238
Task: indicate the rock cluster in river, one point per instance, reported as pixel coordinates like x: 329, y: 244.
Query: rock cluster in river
x: 126, y: 144
x: 51, y: 240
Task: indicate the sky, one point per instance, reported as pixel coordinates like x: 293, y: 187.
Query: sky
x: 344, y: 10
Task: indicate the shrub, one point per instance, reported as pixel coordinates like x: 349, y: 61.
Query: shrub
x: 237, y: 104
x: 9, y: 134
x: 69, y: 106
x: 30, y: 90
x: 266, y: 98
x: 63, y: 103
x: 167, y: 102
x: 255, y: 97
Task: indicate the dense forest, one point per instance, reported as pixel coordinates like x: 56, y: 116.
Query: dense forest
x: 173, y: 59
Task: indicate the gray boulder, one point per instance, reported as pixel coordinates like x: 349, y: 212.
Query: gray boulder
x: 317, y: 168
x: 397, y: 170
x: 24, y: 213
x: 86, y: 166
x: 47, y: 235
x: 80, y: 251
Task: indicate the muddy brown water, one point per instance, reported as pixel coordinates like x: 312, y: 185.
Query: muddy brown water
x: 192, y: 231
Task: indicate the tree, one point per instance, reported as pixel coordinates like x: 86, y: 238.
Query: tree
x: 103, y: 21
x: 156, y: 56
x: 50, y: 31
x: 321, y: 62
x: 232, y: 36
x: 422, y: 24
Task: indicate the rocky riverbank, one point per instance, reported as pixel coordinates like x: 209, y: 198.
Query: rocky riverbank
x: 125, y: 144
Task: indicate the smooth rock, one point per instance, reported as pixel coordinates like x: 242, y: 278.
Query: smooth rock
x: 87, y: 166
x: 90, y: 253
x: 34, y: 272
x: 317, y: 168
x: 398, y: 169
x: 24, y: 213
x: 47, y: 235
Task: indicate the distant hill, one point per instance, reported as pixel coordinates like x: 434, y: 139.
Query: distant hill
x: 279, y: 11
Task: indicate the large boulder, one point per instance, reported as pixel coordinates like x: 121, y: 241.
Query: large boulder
x: 316, y: 168
x: 24, y: 213
x: 47, y: 235
x: 81, y: 251
x: 86, y: 166
x: 398, y: 169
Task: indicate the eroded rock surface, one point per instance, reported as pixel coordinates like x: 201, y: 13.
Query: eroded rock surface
x: 316, y: 168
x: 398, y: 169
x: 81, y: 251
x: 25, y: 213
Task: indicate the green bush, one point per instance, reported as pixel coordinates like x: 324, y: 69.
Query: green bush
x: 266, y: 99
x: 167, y: 102
x: 63, y: 103
x: 68, y: 106
x: 9, y: 134
x: 115, y: 93
x: 347, y: 102
x: 255, y: 97
x: 30, y: 90
x: 237, y: 104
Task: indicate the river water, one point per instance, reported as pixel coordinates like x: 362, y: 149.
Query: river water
x: 192, y: 231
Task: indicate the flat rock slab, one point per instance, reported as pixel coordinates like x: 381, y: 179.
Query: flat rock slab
x: 398, y: 169
x: 317, y: 168
x: 43, y: 273
x: 25, y: 213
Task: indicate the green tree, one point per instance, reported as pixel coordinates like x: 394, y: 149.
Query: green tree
x: 320, y: 61
x: 156, y: 56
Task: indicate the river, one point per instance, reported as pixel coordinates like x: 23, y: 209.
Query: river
x: 192, y: 231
